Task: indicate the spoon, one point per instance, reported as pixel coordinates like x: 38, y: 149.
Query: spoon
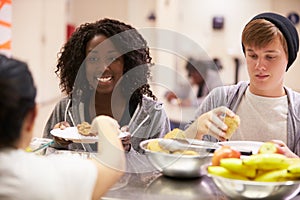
x: 174, y: 145
x: 197, y: 145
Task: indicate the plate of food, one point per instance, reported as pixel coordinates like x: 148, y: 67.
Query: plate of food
x: 80, y: 134
x: 71, y: 133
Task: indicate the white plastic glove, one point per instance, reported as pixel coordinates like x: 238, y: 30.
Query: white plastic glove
x: 210, y: 123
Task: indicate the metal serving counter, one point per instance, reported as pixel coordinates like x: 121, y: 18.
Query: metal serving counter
x: 158, y: 187
x: 143, y: 182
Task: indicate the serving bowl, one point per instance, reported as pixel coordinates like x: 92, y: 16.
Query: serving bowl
x: 241, y: 189
x: 176, y: 165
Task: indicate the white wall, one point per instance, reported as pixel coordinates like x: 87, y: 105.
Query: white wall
x: 92, y: 10
x: 292, y: 75
x: 38, y: 31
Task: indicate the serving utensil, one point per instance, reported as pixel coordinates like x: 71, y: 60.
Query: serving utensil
x: 175, y: 145
x: 44, y: 146
x: 196, y: 145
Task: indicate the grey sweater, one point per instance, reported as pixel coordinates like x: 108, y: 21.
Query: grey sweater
x: 230, y: 96
x: 156, y: 125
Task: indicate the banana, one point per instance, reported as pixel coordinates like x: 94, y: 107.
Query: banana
x: 236, y: 165
x: 260, y: 172
x: 276, y: 176
x: 221, y: 171
x: 294, y: 169
x: 270, y: 161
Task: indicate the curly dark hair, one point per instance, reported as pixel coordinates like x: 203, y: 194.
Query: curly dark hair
x: 73, y: 54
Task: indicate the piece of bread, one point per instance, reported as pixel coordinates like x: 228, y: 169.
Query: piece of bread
x: 187, y: 152
x: 232, y: 123
x: 85, y: 129
x: 154, y: 146
x: 175, y: 133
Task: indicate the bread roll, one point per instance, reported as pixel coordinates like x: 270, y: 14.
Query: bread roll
x: 85, y: 129
x: 154, y: 146
x: 175, y: 133
x: 232, y: 123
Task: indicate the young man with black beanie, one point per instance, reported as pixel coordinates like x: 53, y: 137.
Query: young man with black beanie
x: 268, y: 110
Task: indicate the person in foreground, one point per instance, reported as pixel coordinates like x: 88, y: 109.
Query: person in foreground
x: 104, y: 69
x: 268, y: 110
x: 25, y: 175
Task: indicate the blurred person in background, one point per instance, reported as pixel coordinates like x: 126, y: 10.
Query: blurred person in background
x: 203, y: 77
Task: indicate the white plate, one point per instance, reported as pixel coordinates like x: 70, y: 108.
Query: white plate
x: 245, y: 145
x: 71, y: 133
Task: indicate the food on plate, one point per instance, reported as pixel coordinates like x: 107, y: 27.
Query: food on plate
x: 232, y: 123
x: 175, y: 133
x: 270, y: 147
x: 224, y: 152
x: 85, y: 129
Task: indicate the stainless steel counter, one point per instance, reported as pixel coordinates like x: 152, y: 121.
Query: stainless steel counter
x: 155, y: 186
x: 143, y: 182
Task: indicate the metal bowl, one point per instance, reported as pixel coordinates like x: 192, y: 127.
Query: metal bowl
x: 176, y: 165
x: 240, y: 189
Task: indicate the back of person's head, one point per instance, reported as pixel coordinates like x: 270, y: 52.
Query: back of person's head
x: 265, y: 27
x: 17, y: 92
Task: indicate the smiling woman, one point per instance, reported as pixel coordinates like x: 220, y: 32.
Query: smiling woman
x: 99, y: 75
x: 104, y: 69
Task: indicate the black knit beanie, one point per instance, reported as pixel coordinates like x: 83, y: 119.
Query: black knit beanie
x: 288, y: 30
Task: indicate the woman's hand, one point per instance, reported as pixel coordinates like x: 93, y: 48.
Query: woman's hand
x: 211, y: 123
x: 286, y: 151
x: 126, y: 140
x: 61, y: 141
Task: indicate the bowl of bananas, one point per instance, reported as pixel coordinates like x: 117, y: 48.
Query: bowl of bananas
x: 258, y: 176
